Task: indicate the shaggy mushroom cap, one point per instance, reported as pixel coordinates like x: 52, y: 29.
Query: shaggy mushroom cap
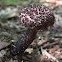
x: 38, y: 16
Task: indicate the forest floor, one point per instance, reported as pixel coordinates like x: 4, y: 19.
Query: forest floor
x: 47, y: 47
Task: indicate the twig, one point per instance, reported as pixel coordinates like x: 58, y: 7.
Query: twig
x: 50, y: 44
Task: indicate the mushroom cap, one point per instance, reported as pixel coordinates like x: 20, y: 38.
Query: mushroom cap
x: 38, y: 16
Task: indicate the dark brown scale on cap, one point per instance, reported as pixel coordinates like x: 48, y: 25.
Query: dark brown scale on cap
x: 35, y: 17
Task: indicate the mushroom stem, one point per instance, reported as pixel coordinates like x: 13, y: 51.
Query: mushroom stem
x: 22, y: 44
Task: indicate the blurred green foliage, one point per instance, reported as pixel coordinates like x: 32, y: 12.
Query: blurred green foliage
x: 15, y: 2
x: 38, y: 3
x: 9, y: 2
x: 12, y: 2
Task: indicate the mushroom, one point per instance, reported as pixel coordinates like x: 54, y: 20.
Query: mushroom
x: 35, y: 18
